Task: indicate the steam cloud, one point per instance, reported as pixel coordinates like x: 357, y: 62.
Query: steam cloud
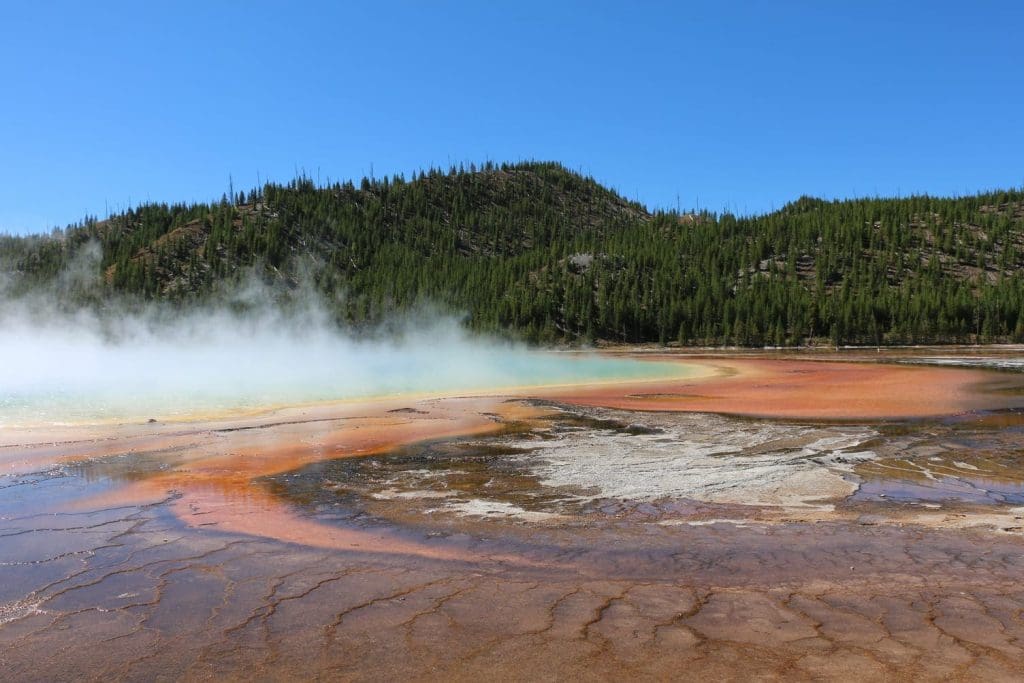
x: 247, y: 351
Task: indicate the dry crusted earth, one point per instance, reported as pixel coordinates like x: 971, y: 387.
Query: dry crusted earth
x: 132, y: 595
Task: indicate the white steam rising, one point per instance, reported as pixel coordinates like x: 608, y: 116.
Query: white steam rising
x: 162, y: 363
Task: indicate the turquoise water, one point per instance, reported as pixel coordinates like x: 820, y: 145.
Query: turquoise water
x: 72, y: 385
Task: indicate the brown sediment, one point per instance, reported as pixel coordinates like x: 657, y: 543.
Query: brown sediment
x: 975, y: 460
x: 815, y: 602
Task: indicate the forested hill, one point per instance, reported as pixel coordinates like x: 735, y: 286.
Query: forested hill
x: 537, y: 251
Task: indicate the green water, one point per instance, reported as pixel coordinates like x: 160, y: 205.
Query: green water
x: 134, y: 386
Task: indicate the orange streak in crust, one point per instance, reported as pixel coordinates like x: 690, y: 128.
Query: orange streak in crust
x: 800, y: 389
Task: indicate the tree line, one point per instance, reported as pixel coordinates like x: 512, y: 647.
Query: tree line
x: 536, y: 251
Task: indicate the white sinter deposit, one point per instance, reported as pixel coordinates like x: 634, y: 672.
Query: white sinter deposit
x: 703, y: 457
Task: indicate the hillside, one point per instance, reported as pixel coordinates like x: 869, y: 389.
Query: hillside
x: 537, y: 251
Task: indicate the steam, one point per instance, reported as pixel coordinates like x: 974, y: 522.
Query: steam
x: 246, y: 351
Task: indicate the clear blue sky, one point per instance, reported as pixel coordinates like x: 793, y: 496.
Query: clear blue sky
x: 744, y: 105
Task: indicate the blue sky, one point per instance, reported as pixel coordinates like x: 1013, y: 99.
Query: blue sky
x: 735, y: 105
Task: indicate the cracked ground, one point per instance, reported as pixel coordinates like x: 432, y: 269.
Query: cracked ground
x: 140, y: 599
